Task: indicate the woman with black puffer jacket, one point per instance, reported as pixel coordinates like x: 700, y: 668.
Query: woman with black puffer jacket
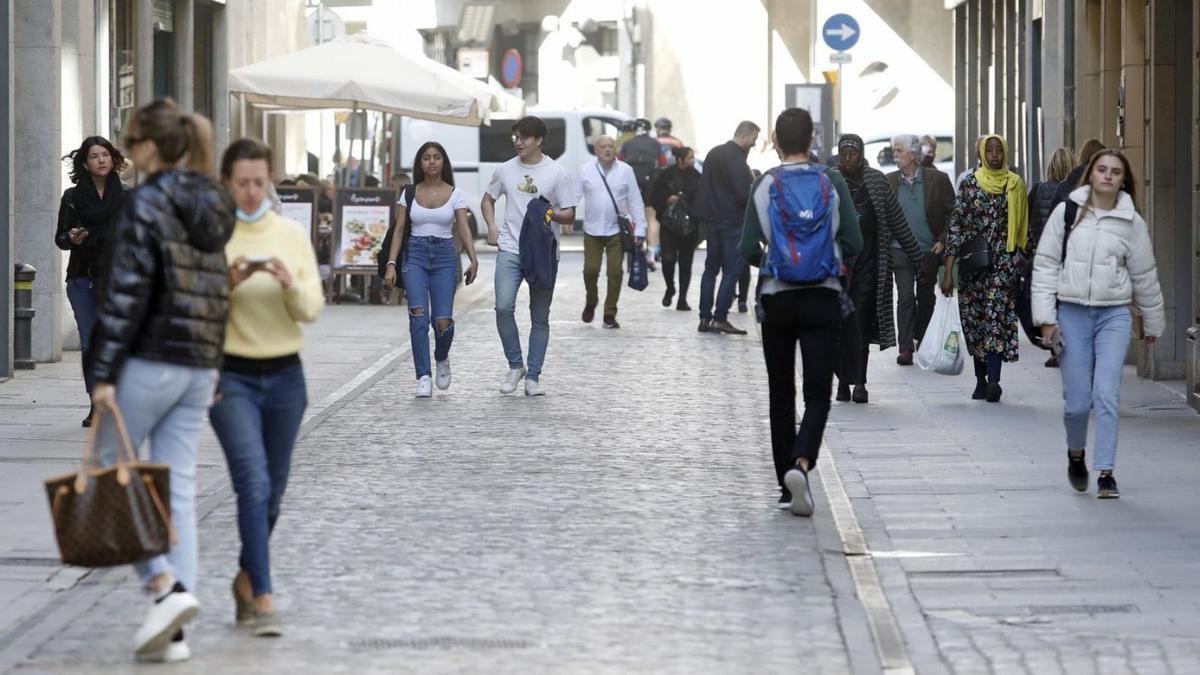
x: 160, y: 338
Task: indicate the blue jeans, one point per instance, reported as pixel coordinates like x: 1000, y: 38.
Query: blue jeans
x: 430, y: 269
x: 508, y: 282
x: 722, y: 257
x: 1095, y: 341
x: 257, y: 419
x: 165, y: 403
x: 81, y: 292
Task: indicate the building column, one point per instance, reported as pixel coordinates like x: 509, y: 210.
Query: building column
x: 143, y: 47
x: 185, y: 49
x: 1167, y: 206
x: 6, y: 189
x: 220, y: 76
x: 960, y: 88
x: 36, y: 136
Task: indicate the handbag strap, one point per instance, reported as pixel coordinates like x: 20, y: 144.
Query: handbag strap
x: 89, y: 447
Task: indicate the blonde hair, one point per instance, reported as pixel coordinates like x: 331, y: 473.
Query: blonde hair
x: 1061, y: 164
x: 181, y: 138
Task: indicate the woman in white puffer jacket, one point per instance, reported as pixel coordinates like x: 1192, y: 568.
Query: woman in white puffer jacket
x: 1109, y: 267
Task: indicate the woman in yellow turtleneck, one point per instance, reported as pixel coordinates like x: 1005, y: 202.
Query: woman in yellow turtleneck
x: 274, y: 286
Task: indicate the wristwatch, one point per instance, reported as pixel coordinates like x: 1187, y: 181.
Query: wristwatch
x: 391, y: 263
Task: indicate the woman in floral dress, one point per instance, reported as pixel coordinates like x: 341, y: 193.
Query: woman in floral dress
x: 992, y: 204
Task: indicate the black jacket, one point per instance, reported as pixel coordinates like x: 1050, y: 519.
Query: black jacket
x: 675, y: 181
x: 1041, y: 203
x: 1068, y: 186
x: 85, y: 257
x: 165, y: 292
x: 724, y: 185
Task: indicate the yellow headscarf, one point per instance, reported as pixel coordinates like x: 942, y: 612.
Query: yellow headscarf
x: 1003, y: 181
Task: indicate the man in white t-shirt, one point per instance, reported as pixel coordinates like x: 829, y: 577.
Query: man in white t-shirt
x: 610, y: 189
x: 520, y: 180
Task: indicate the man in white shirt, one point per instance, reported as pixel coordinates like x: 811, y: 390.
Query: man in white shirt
x: 520, y: 180
x: 606, y: 204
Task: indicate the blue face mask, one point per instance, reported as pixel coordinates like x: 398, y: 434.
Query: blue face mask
x: 257, y: 215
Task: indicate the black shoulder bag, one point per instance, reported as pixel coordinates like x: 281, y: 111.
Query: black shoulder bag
x: 628, y: 244
x: 410, y: 195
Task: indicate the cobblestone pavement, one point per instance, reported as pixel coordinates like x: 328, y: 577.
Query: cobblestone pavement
x: 623, y: 524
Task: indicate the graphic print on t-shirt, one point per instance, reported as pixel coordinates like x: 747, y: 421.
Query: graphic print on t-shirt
x: 528, y: 186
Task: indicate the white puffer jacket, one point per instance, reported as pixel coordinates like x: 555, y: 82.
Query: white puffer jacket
x: 1110, y: 262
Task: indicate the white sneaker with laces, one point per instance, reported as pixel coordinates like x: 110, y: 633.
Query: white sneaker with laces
x: 424, y: 387
x: 534, y: 388
x: 443, y: 374
x: 509, y: 385
x: 174, y: 653
x: 163, y: 620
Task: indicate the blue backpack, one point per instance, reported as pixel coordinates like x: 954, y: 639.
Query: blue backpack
x: 538, y: 245
x: 802, y: 248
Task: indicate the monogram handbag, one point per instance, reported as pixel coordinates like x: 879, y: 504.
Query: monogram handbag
x: 113, y: 515
x: 975, y: 257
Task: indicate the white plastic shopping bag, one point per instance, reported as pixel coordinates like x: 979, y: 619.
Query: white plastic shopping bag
x: 943, y: 349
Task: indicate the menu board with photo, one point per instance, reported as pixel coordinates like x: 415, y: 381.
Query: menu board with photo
x: 361, y: 220
x: 300, y: 205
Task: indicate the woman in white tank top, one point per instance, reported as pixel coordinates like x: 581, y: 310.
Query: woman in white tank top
x: 424, y: 245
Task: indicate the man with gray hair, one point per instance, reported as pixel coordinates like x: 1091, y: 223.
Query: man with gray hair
x: 721, y: 206
x: 610, y: 191
x: 926, y: 197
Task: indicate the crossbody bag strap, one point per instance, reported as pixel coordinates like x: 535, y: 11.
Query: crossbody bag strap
x: 607, y: 189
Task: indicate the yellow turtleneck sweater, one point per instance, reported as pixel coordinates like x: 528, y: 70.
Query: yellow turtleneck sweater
x: 263, y: 317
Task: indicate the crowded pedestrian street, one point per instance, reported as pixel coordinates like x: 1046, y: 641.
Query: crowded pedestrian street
x: 625, y: 522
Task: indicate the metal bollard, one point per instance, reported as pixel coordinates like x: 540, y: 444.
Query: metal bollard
x: 23, y: 316
x: 1193, y: 362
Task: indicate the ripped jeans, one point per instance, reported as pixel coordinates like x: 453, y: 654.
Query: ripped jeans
x: 430, y: 271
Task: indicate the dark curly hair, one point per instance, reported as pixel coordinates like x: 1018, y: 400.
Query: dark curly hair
x: 79, y: 156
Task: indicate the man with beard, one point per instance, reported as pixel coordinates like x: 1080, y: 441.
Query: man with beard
x: 881, y: 220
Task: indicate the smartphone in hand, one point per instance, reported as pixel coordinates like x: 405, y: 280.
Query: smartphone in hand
x: 1056, y: 344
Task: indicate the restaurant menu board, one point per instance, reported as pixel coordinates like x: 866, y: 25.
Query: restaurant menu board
x: 362, y: 217
x: 300, y: 205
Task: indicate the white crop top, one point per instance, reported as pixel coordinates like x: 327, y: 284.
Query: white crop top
x: 437, y: 222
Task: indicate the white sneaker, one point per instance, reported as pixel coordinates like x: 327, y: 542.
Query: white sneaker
x: 534, y: 388
x: 509, y: 385
x: 443, y: 374
x: 163, y: 620
x: 424, y: 387
x: 174, y: 653
x: 802, y: 499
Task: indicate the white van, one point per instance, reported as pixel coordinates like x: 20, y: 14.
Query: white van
x: 475, y: 152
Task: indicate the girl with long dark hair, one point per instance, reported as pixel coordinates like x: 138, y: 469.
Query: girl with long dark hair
x: 1083, y: 302
x: 428, y: 261
x: 85, y: 217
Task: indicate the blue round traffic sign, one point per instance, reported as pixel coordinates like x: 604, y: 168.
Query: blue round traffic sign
x: 840, y: 32
x: 511, y: 69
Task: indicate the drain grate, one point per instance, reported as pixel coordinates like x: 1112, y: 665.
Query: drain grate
x: 1082, y: 609
x: 30, y: 562
x: 1036, y: 572
x: 443, y: 643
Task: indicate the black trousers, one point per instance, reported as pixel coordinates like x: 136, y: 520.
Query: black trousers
x: 854, y: 343
x: 812, y: 318
x: 682, y: 250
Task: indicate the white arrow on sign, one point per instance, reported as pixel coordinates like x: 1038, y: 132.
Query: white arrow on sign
x: 844, y: 31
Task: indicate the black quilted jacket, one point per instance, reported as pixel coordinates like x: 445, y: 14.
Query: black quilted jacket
x: 165, y: 290
x: 1041, y: 203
